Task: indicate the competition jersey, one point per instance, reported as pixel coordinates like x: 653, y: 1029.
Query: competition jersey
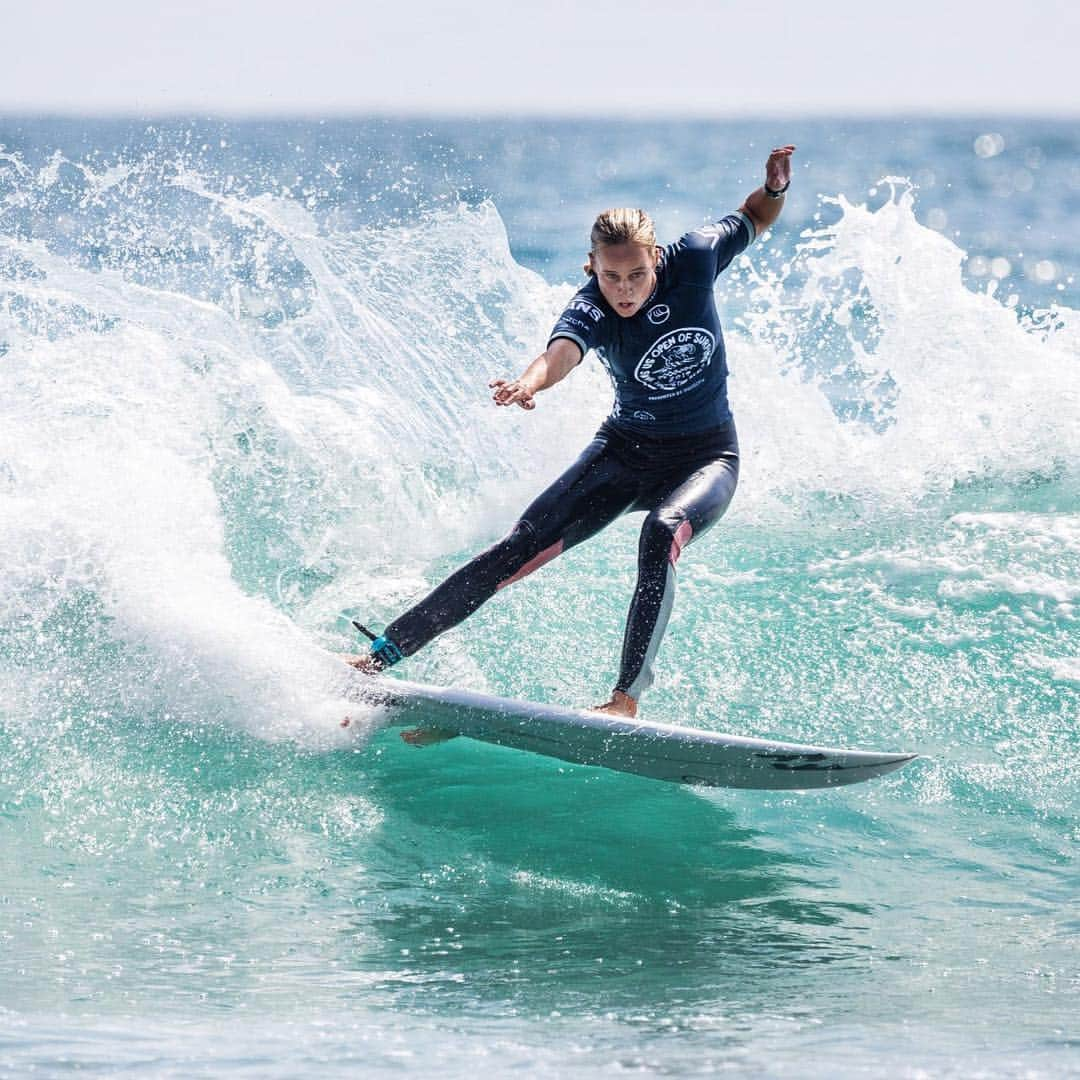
x: 667, y: 362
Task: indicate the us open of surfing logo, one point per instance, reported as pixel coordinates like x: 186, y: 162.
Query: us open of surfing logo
x: 659, y: 314
x: 676, y: 359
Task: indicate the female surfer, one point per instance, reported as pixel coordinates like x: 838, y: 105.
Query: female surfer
x: 668, y: 447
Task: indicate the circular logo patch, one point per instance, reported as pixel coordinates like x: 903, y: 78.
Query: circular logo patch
x: 676, y: 359
x: 658, y: 314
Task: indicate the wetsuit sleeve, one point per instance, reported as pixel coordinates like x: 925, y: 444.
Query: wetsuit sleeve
x: 581, y: 322
x: 703, y: 254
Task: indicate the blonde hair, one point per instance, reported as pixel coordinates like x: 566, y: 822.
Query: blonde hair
x: 622, y: 225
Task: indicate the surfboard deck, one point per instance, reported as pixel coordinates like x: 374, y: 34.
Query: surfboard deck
x: 681, y: 755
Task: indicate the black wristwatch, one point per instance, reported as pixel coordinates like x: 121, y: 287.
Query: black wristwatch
x: 775, y: 193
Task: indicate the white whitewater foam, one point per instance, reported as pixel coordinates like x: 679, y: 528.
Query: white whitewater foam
x: 960, y: 389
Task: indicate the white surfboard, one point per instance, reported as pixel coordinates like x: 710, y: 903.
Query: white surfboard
x: 682, y: 755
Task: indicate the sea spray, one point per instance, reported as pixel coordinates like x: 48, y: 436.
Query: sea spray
x: 895, y: 380
x: 181, y: 467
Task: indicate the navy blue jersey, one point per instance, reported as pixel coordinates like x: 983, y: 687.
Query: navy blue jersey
x: 667, y: 362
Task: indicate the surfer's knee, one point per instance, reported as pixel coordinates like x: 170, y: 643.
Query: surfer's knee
x: 515, y: 549
x: 521, y: 541
x: 522, y: 552
x: 664, y: 534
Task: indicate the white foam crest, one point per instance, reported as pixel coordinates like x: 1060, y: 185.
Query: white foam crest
x: 107, y: 449
x: 1044, y: 533
x: 1020, y: 569
x: 1060, y: 669
x: 131, y: 416
x: 113, y: 497
x: 942, y: 385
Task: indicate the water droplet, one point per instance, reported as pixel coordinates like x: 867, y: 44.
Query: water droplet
x: 990, y: 145
x: 1044, y: 271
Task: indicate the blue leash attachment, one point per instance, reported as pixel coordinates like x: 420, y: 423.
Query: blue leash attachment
x: 382, y: 648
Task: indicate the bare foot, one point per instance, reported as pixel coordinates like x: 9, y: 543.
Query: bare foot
x: 620, y: 705
x: 365, y: 663
x: 427, y: 736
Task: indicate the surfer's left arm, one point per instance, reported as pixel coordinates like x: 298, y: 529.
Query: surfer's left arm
x: 761, y: 207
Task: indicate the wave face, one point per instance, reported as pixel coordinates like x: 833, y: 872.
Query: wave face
x: 243, y: 399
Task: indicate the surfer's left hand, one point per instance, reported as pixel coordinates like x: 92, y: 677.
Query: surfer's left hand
x: 778, y: 167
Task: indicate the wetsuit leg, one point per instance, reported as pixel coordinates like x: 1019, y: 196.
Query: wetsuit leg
x: 594, y: 491
x: 681, y: 514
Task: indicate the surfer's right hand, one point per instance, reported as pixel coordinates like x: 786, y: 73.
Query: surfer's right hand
x: 511, y: 392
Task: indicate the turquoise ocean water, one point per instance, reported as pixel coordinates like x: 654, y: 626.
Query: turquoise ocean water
x: 243, y: 373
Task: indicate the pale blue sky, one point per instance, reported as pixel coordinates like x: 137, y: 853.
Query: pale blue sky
x: 592, y: 56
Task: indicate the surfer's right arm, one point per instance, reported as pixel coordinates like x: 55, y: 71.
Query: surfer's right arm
x: 550, y: 367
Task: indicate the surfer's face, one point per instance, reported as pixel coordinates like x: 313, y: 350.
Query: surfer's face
x: 626, y: 274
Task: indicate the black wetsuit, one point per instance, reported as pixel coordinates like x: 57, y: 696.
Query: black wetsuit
x: 668, y: 448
